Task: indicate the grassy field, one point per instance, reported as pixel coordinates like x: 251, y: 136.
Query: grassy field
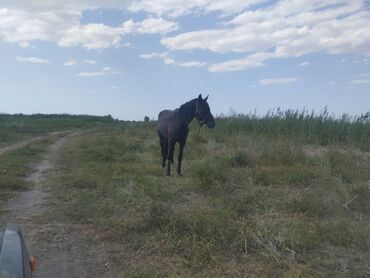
x: 285, y: 195
x: 18, y: 127
x: 16, y: 164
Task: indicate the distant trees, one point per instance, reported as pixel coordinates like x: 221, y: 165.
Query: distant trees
x: 146, y: 119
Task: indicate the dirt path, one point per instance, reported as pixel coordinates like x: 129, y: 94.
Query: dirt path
x: 61, y: 249
x: 19, y: 144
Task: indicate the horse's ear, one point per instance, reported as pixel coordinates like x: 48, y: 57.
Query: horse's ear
x: 200, y: 97
x: 206, y: 98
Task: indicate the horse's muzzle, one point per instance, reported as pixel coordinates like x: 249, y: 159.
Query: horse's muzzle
x: 211, y: 123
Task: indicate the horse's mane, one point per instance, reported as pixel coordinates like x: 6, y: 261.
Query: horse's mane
x: 187, y: 110
x: 187, y: 105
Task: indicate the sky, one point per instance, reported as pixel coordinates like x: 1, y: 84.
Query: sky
x: 132, y: 59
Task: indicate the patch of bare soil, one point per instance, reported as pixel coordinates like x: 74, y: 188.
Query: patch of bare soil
x: 61, y: 249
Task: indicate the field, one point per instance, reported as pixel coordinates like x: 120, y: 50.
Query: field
x: 284, y: 195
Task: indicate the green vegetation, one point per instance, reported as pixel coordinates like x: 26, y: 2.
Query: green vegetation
x: 303, y: 126
x: 15, y: 165
x: 17, y: 127
x: 286, y: 195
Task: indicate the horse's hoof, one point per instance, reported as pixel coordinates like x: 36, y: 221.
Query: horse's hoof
x: 179, y: 174
x: 168, y: 174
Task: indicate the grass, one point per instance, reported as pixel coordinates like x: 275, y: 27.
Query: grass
x: 15, y: 127
x: 285, y: 195
x: 304, y: 126
x: 15, y: 165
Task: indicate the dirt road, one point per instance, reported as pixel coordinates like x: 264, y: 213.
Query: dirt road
x: 61, y: 248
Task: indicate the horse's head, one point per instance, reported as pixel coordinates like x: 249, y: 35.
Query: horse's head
x: 203, y: 113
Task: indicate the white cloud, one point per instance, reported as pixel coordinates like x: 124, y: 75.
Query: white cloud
x: 89, y: 61
x: 365, y: 74
x: 303, y: 64
x: 168, y: 60
x: 35, y: 60
x: 176, y: 8
x: 99, y: 36
x: 154, y: 55
x: 251, y: 61
x: 104, y: 71
x: 90, y: 36
x: 24, y: 44
x: 70, y: 63
x: 149, y: 26
x: 91, y: 74
x: 59, y: 21
x: 274, y: 30
x: 287, y: 28
x: 275, y: 81
x: 191, y: 64
x: 23, y: 25
x: 360, y: 81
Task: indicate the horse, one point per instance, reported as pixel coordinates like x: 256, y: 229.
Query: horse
x: 173, y: 126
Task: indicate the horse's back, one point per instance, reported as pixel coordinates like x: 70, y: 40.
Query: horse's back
x: 169, y: 124
x: 164, y: 114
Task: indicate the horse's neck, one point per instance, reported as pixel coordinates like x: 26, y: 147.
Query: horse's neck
x: 187, y: 111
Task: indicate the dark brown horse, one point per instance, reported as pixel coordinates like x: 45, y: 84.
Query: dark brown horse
x: 173, y: 127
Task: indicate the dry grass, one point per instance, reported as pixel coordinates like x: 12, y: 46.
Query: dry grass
x: 247, y: 206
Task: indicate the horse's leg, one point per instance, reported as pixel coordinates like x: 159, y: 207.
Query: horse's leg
x: 182, y: 145
x: 164, y: 145
x: 171, y: 147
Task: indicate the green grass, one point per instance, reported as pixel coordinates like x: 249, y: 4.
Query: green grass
x: 285, y: 195
x: 18, y: 126
x: 15, y: 165
x: 304, y: 126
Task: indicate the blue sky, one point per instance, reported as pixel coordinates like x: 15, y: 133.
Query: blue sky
x: 136, y: 58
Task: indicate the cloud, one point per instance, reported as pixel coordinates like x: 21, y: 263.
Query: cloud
x: 154, y: 55
x: 91, y: 74
x: 168, y: 60
x: 303, y: 64
x: 275, y: 81
x: 149, y: 26
x: 251, y: 61
x: 50, y: 21
x: 259, y: 30
x: 35, y: 60
x: 360, y: 81
x: 177, y: 8
x: 70, y: 63
x: 24, y: 44
x: 104, y: 71
x: 190, y: 64
x: 89, y: 61
x: 99, y: 36
x: 24, y: 25
x: 284, y: 29
x: 365, y: 74
x: 90, y: 36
